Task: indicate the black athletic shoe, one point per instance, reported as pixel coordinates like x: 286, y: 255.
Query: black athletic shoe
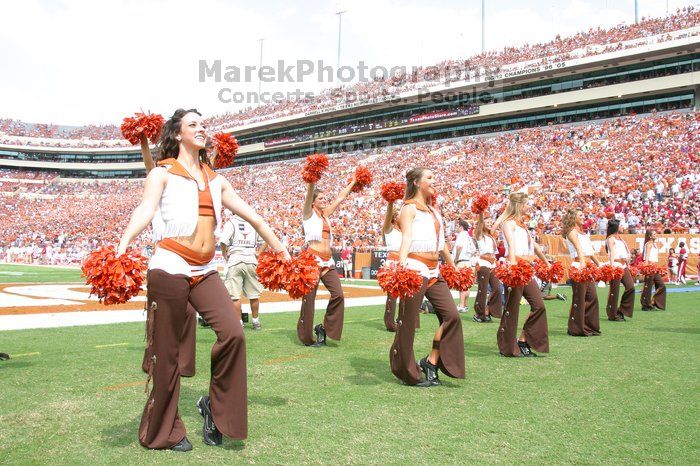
x: 182, y: 445
x: 203, y: 323
x: 487, y: 318
x: 320, y: 332
x: 526, y: 350
x: 4, y: 356
x: 645, y: 309
x: 430, y: 371
x: 561, y: 297
x: 210, y: 433
x: 477, y: 319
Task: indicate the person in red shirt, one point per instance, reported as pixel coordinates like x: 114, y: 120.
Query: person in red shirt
x: 682, y: 261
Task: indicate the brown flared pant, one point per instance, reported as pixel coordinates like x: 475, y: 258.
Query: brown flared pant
x: 188, y: 346
x: 390, y: 313
x: 451, y: 345
x: 535, y: 326
x: 485, y: 278
x: 626, y: 306
x: 335, y: 311
x: 659, y: 298
x: 584, y: 318
x: 167, y: 298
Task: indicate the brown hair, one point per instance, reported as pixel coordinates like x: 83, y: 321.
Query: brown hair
x: 168, y: 146
x: 413, y: 176
x: 569, y: 221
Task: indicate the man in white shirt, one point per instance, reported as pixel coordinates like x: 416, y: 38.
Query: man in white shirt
x: 463, y: 253
x: 239, y: 241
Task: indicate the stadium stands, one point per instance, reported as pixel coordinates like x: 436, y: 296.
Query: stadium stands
x: 592, y: 42
x: 642, y: 169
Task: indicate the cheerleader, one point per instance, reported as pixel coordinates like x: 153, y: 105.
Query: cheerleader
x: 651, y: 254
x: 485, y: 278
x: 584, y: 317
x: 319, y: 238
x: 183, y: 198
x: 619, y: 256
x: 463, y: 253
x: 188, y: 339
x: 519, y: 245
x: 392, y: 241
x: 422, y: 241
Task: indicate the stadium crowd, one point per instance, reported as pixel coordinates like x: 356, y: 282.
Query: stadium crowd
x: 643, y: 170
x: 586, y: 43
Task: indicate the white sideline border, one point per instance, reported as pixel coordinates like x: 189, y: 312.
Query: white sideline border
x: 83, y: 318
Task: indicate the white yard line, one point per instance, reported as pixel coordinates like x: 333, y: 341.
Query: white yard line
x: 71, y: 319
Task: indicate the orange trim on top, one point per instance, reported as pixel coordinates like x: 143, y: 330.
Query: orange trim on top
x: 325, y: 257
x: 190, y: 256
x: 178, y: 169
x: 326, y: 228
x: 430, y: 263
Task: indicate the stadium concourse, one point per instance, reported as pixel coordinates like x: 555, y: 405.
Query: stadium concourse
x: 609, y: 168
x: 595, y: 41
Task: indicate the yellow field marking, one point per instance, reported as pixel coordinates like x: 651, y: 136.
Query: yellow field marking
x: 124, y: 385
x: 288, y: 359
x: 24, y: 354
x: 111, y: 345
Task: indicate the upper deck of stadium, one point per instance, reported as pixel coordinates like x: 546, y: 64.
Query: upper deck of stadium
x: 587, y: 76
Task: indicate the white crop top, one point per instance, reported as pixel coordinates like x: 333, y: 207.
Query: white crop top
x: 653, y: 253
x: 620, y: 250
x: 424, y: 237
x: 178, y: 211
x: 586, y: 246
x: 393, y: 239
x: 313, y: 228
x: 486, y: 245
x: 523, y: 243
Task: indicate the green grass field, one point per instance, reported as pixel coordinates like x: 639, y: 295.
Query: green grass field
x: 75, y: 395
x: 12, y: 273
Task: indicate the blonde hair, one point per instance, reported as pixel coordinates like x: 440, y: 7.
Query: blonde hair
x: 568, y: 222
x: 513, y: 210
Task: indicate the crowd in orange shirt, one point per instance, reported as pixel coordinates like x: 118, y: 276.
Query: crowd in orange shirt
x: 642, y: 169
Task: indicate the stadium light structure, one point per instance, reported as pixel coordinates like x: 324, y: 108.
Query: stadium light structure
x: 340, y: 24
x: 261, y: 40
x: 483, y: 26
x: 636, y: 12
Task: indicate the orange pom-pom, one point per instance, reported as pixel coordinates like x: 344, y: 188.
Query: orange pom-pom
x: 514, y: 275
x: 363, y: 178
x: 457, y: 279
x: 552, y: 273
x: 226, y: 149
x: 271, y: 270
x: 587, y: 274
x: 115, y: 280
x: 607, y: 273
x: 649, y: 269
x: 480, y: 204
x: 302, y: 274
x: 618, y: 273
x: 634, y: 271
x: 146, y: 124
x: 399, y: 281
x: 392, y: 192
x: 314, y: 167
